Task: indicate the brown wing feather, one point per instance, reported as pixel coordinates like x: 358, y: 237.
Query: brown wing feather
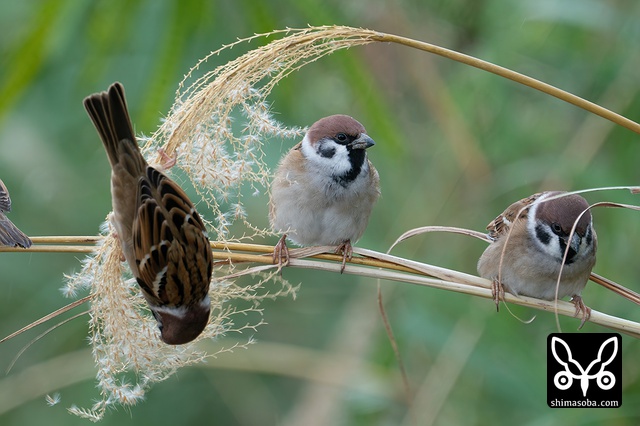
x: 173, y: 243
x: 501, y: 224
x: 5, y: 200
x: 10, y: 235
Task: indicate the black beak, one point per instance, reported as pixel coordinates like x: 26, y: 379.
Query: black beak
x: 362, y: 142
x: 574, y: 246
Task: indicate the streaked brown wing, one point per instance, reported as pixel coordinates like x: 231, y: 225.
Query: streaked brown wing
x: 171, y: 248
x: 501, y: 224
x: 5, y: 200
x: 10, y: 235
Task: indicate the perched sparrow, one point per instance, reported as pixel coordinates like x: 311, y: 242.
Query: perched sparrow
x: 10, y: 235
x: 536, y: 233
x: 163, y: 238
x: 324, y: 188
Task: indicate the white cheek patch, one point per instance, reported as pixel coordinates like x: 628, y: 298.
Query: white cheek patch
x: 205, y: 302
x: 176, y: 311
x: 531, y: 224
x: 552, y: 246
x: 336, y: 165
x: 181, y: 311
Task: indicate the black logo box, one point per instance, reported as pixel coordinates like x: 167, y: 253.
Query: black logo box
x: 584, y: 370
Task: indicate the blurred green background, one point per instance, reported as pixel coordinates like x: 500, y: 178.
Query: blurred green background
x: 455, y: 146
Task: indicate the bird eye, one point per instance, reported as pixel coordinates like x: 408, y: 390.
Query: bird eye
x: 556, y: 228
x: 341, y: 137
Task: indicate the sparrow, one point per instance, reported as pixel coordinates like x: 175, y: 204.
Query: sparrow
x: 324, y: 188
x: 10, y: 235
x: 163, y: 238
x: 530, y: 240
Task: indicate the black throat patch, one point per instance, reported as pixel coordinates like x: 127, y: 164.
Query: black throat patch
x: 356, y: 158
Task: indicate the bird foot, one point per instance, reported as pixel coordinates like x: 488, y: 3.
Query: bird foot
x: 167, y: 161
x: 281, y: 252
x: 497, y: 292
x: 581, y: 307
x: 347, y: 253
x: 112, y: 228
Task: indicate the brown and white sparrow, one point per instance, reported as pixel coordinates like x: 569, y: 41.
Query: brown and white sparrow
x: 163, y: 238
x: 325, y: 188
x: 530, y: 239
x: 10, y: 235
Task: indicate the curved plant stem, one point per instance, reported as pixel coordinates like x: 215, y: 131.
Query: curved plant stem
x: 512, y: 75
x: 369, y: 264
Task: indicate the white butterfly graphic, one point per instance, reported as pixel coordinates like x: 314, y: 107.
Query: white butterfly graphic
x: 564, y: 379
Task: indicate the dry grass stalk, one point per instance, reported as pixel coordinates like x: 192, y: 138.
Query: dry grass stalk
x: 126, y: 348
